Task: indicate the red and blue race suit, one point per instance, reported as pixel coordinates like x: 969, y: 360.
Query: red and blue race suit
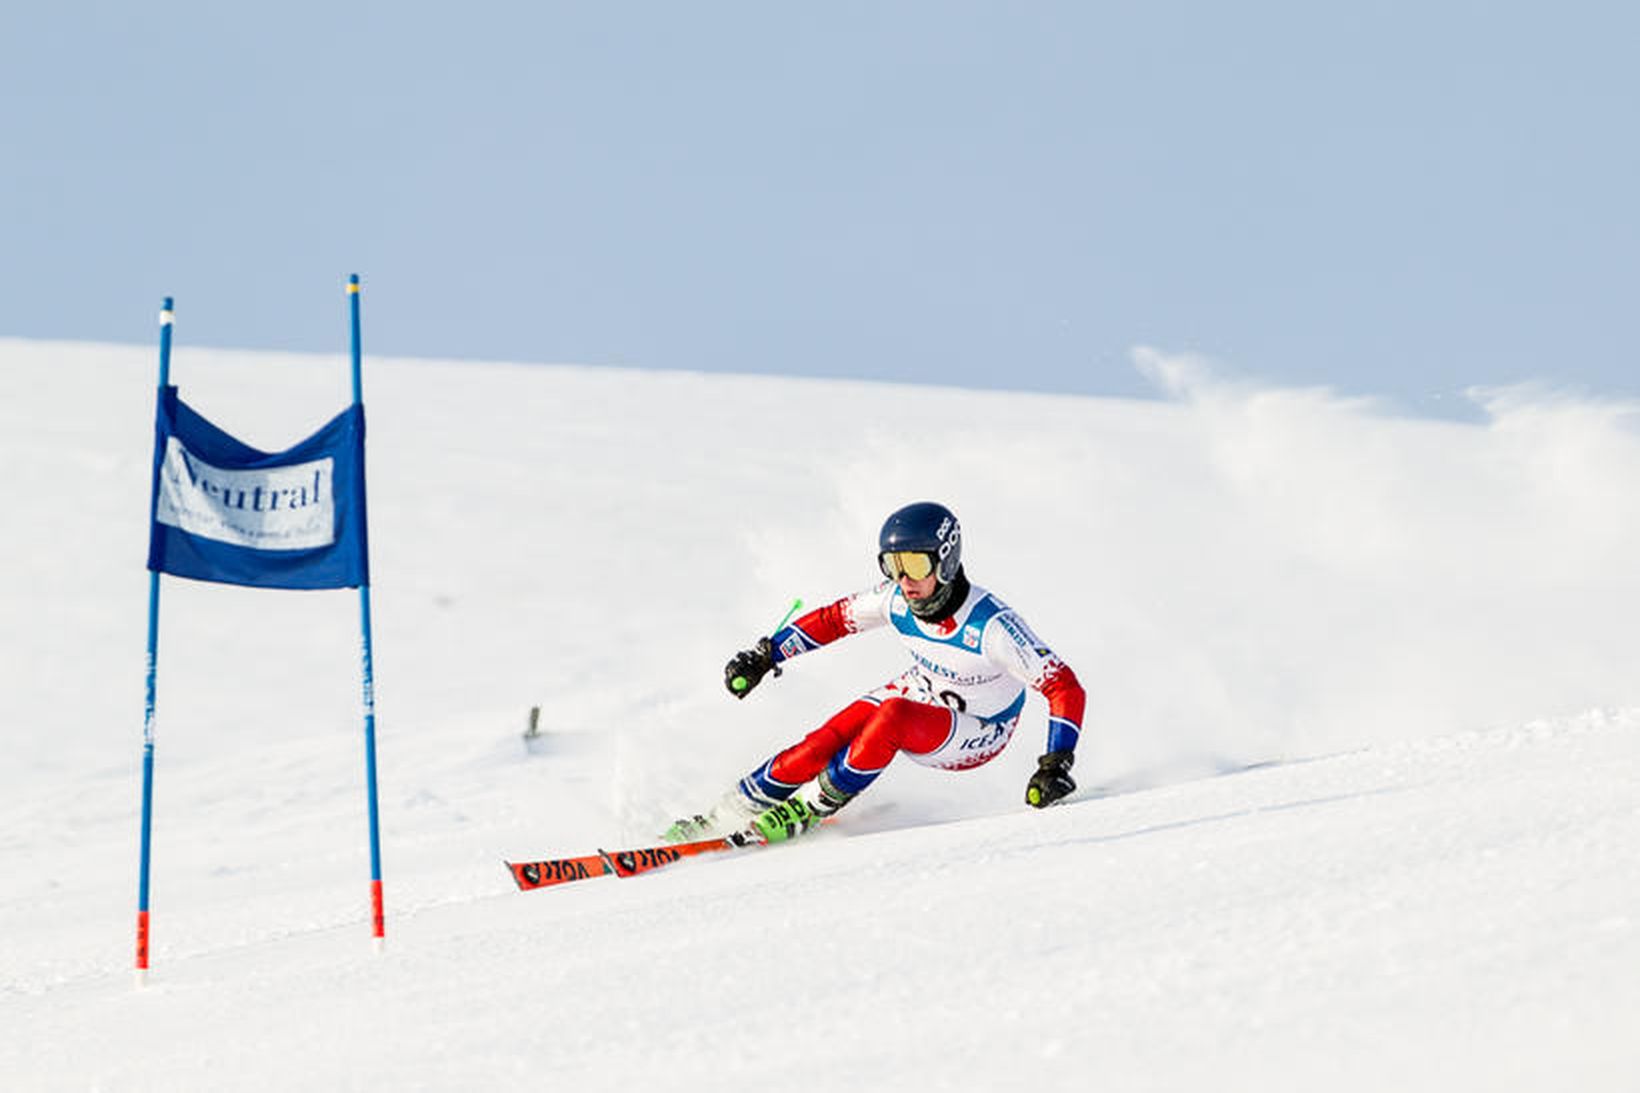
x: 955, y: 708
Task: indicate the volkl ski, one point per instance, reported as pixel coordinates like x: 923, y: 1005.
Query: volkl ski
x: 550, y: 872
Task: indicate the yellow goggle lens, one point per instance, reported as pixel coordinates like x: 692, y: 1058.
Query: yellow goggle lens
x: 906, y: 563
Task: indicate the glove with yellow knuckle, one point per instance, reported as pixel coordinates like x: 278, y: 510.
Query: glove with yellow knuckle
x: 748, y: 667
x: 1052, y: 780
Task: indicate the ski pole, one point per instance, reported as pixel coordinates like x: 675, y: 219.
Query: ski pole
x: 797, y: 605
x: 741, y: 684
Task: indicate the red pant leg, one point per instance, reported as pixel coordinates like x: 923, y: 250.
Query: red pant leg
x: 873, y: 733
x: 809, y: 756
x: 899, y: 725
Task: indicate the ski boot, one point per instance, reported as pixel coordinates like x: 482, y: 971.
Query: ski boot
x: 787, y: 820
x: 733, y: 813
x: 798, y: 813
x: 688, y: 830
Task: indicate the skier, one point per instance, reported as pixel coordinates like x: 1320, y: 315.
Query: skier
x: 956, y: 708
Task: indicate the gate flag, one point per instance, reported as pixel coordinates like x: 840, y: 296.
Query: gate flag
x: 221, y: 510
x: 224, y: 511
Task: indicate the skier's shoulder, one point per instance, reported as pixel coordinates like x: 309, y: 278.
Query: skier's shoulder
x: 874, y: 605
x: 982, y: 606
x: 992, y: 615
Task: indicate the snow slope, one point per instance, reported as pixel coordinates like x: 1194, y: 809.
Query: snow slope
x: 1360, y: 768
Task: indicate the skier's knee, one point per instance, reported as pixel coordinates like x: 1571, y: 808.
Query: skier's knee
x: 888, y: 726
x: 893, y: 709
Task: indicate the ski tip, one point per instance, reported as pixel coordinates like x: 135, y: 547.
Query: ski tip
x: 516, y: 875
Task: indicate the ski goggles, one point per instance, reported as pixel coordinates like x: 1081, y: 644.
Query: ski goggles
x: 916, y: 564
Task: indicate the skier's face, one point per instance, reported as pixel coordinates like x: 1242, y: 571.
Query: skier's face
x: 918, y: 590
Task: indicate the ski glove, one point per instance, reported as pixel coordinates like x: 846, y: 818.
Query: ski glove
x: 748, y: 667
x: 1052, y: 779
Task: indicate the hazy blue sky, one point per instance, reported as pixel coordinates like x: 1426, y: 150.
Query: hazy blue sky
x: 1396, y: 198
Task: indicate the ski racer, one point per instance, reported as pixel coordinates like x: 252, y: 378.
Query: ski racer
x: 955, y: 708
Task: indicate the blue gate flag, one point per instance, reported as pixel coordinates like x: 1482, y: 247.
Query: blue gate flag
x: 224, y: 511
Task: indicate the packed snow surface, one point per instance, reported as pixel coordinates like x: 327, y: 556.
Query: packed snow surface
x: 1359, y: 804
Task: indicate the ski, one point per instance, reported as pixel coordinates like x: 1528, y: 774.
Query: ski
x: 619, y: 863
x: 544, y: 874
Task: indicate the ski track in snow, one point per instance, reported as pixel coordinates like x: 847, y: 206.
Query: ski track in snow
x: 1359, y: 805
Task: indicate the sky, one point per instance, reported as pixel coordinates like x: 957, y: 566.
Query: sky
x: 1394, y: 199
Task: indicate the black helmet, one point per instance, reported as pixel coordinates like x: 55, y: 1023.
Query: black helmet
x: 925, y: 527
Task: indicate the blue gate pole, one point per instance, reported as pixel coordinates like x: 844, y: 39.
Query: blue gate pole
x: 378, y: 918
x: 166, y: 317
